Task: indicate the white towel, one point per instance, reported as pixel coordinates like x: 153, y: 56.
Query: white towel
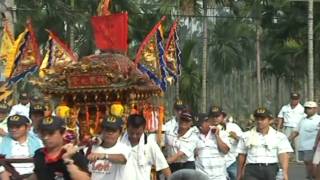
x: 253, y: 139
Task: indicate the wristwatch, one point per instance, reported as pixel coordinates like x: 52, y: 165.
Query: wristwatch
x: 106, y: 156
x: 68, y: 161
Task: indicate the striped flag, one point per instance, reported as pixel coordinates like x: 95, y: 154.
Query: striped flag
x: 150, y: 56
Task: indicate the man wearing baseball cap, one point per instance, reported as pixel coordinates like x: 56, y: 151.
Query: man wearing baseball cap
x: 261, y: 149
x: 108, y: 160
x: 19, y: 144
x: 307, y: 130
x: 177, y: 108
x: 23, y: 107
x: 58, y: 160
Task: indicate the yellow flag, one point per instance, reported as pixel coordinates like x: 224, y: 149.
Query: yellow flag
x: 12, y: 55
x: 6, y: 43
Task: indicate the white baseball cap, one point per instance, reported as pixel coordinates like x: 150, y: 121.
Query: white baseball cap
x: 310, y: 104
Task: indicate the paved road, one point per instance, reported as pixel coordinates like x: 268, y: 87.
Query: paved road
x: 297, y: 171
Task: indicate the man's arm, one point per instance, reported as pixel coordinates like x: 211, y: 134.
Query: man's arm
x: 32, y: 177
x: 223, y: 147
x: 115, y: 158
x: 179, y: 155
x: 293, y: 135
x: 280, y: 121
x: 166, y: 172
x: 317, y: 141
x: 76, y: 173
x: 241, y: 166
x: 284, y: 163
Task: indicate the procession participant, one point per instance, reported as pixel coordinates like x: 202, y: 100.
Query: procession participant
x: 212, y: 146
x: 36, y: 115
x: 316, y: 157
x: 177, y: 108
x: 261, y: 149
x: 307, y: 130
x: 289, y: 117
x: 234, y: 132
x: 23, y: 107
x: 18, y: 144
x: 58, y: 160
x: 145, y: 152
x: 107, y: 161
x: 180, y: 143
x: 4, y: 109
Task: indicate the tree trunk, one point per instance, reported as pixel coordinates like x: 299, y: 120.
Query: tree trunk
x: 72, y: 29
x: 258, y: 59
x: 310, y: 53
x: 204, y: 62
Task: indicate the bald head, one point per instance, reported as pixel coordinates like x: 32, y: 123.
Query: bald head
x: 188, y: 174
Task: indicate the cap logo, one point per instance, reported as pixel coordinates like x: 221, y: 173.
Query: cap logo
x: 14, y: 118
x: 111, y: 119
x: 215, y: 109
x: 179, y: 102
x: 261, y: 110
x: 3, y: 106
x: 47, y: 121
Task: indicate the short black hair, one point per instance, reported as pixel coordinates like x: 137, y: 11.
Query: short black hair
x: 136, y: 121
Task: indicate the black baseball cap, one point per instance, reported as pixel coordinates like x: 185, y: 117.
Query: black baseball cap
x: 112, y: 122
x: 215, y: 111
x: 202, y: 117
x: 17, y: 120
x: 23, y: 95
x: 37, y: 108
x: 52, y: 123
x: 178, y: 105
x: 294, y: 95
x: 262, y: 112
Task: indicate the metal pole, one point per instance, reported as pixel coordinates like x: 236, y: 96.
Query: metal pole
x: 310, y: 52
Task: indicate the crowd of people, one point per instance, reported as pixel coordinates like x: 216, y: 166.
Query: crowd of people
x: 202, y: 146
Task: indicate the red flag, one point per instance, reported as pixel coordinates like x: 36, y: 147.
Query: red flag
x: 111, y: 32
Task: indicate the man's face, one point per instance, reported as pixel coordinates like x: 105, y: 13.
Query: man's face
x: 294, y: 102
x: 205, y: 127
x: 110, y: 136
x: 262, y: 122
x: 177, y: 113
x: 36, y: 118
x: 184, y: 125
x: 135, y: 134
x: 17, y: 132
x: 310, y: 111
x: 52, y: 139
x: 24, y: 101
x: 216, y: 120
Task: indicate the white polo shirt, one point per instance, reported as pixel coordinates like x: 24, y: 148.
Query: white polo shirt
x: 185, y: 144
x: 231, y: 156
x: 3, y: 125
x: 209, y: 160
x: 20, y: 109
x: 21, y: 150
x: 104, y: 169
x: 138, y: 169
x: 308, y: 129
x: 291, y: 117
x: 265, y: 148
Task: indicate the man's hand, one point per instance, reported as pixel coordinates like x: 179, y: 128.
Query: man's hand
x: 70, y: 151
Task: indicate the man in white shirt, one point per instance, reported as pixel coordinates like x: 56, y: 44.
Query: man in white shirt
x: 145, y: 152
x: 108, y: 160
x: 23, y: 107
x: 212, y: 146
x: 289, y: 117
x: 261, y: 149
x: 234, y: 133
x: 307, y: 130
x: 177, y: 108
x: 180, y: 143
x: 18, y: 144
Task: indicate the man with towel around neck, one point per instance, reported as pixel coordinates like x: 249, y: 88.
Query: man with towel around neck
x: 261, y: 149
